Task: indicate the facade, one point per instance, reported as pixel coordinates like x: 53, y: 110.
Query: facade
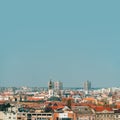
x: 105, y: 115
x: 39, y: 116
x: 64, y: 114
x: 117, y: 114
x: 34, y: 116
x: 21, y: 116
x: 8, y: 115
x: 51, y: 92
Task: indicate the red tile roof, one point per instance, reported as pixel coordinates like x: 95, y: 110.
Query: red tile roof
x: 102, y: 108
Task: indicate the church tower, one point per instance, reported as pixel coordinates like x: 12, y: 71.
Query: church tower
x: 51, y: 88
x: 50, y: 85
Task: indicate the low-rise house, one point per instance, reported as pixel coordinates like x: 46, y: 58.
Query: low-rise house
x: 34, y: 116
x: 39, y: 116
x: 104, y: 113
x: 8, y: 115
x: 21, y: 116
x: 117, y: 114
x: 64, y: 114
x: 83, y: 113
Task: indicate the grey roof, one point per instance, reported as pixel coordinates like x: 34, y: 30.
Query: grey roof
x: 83, y: 110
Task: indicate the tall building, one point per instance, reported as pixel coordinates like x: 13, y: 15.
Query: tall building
x: 87, y: 86
x: 55, y: 88
x: 51, y: 88
x: 50, y: 85
x: 58, y: 88
x: 58, y: 85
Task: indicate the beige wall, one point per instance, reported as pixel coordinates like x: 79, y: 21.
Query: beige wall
x: 70, y: 115
x: 1, y: 115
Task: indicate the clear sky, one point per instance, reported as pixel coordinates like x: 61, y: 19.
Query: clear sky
x: 67, y: 40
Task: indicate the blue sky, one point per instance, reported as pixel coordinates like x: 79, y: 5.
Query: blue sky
x: 70, y: 41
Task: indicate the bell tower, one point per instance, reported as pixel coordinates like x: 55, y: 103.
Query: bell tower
x: 51, y: 88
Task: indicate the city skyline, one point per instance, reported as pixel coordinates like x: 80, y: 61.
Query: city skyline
x: 72, y: 42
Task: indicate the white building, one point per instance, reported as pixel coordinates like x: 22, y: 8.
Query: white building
x: 55, y: 88
x: 58, y: 85
x: 50, y: 88
x: 8, y: 115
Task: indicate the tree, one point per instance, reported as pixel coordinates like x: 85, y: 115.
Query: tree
x: 48, y: 109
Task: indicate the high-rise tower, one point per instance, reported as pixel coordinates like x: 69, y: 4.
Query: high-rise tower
x: 50, y: 88
x: 87, y: 86
x: 55, y: 88
x: 50, y: 85
x: 58, y: 85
